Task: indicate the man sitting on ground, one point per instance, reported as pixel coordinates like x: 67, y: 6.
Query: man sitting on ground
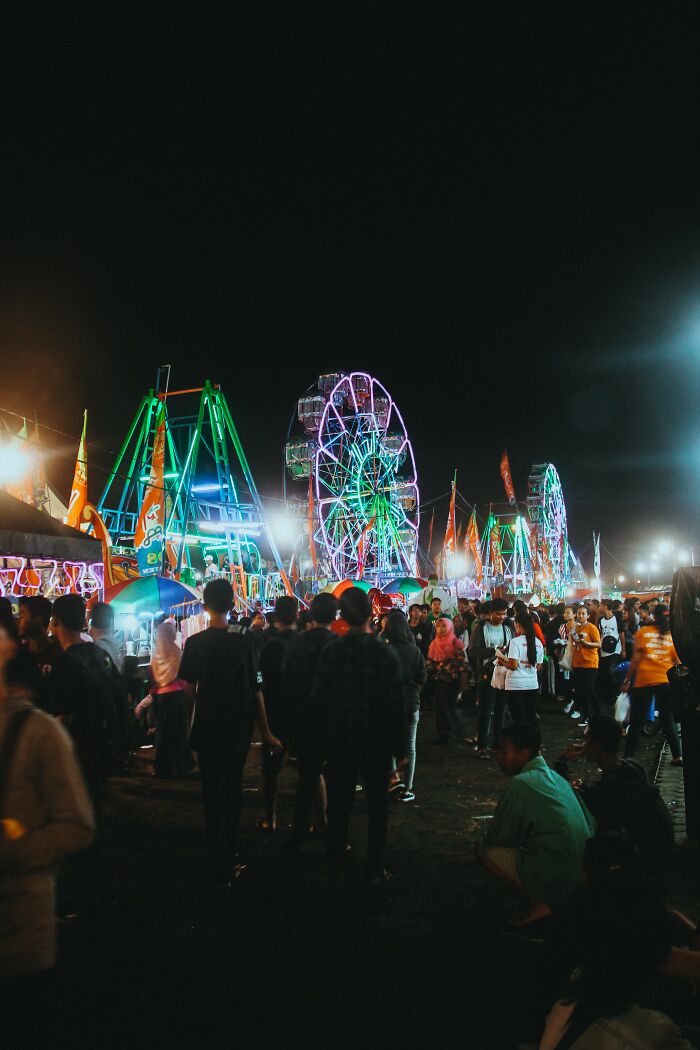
x: 538, y: 834
x: 624, y: 799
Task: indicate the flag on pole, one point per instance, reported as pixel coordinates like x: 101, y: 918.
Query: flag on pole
x: 473, y: 547
x: 507, y: 477
x: 449, y: 547
x: 310, y: 524
x: 596, y: 562
x: 79, y: 489
x: 361, y: 547
x: 149, y: 535
x: 495, y: 552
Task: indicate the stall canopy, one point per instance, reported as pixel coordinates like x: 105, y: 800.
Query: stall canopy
x: 26, y: 532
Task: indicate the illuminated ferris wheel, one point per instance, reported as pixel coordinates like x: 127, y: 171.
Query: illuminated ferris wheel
x: 364, y: 477
x: 547, y: 510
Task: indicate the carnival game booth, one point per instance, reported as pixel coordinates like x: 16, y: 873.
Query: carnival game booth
x: 39, y: 555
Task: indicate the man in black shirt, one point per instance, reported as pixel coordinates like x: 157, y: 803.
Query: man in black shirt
x: 303, y: 718
x: 359, y: 695
x: 219, y: 663
x: 624, y: 799
x: 423, y: 630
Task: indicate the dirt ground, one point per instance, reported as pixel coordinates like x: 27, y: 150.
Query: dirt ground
x: 426, y: 960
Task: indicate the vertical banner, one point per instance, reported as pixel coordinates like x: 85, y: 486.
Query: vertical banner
x: 495, y: 553
x: 430, y: 543
x: 596, y: 563
x: 507, y: 477
x: 310, y: 524
x: 78, y: 492
x: 149, y: 536
x: 449, y: 547
x: 473, y: 548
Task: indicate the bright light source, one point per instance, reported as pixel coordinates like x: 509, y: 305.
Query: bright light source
x: 665, y: 547
x: 641, y: 567
x: 620, y: 579
x: 14, y: 464
x: 284, y: 528
x: 535, y: 601
x: 458, y: 566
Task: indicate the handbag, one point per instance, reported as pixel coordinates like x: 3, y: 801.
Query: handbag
x: 498, y: 678
x: 566, y: 660
x: 622, y: 708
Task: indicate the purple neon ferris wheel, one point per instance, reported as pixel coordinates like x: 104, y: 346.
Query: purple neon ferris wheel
x: 363, y: 475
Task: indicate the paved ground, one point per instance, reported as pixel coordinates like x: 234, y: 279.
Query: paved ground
x: 425, y: 960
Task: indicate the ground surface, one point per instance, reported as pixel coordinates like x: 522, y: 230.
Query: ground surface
x: 427, y: 961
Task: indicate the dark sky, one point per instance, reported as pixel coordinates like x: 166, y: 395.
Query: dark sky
x: 502, y: 222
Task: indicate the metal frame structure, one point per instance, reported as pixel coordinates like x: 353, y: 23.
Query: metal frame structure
x: 211, y: 500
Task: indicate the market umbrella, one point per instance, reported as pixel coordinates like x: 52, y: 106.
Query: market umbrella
x: 405, y: 585
x: 150, y: 594
x: 345, y: 585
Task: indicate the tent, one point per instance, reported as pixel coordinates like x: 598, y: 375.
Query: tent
x: 26, y: 532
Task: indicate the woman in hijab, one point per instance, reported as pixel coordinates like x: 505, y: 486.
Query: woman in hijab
x: 447, y: 669
x: 172, y: 756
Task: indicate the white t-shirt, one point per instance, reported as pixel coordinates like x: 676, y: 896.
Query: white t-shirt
x: 610, y: 627
x: 526, y: 675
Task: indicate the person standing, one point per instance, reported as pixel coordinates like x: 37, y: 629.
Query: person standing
x: 653, y: 657
x: 397, y: 634
x: 102, y: 632
x: 275, y: 646
x: 423, y: 632
x: 86, y: 693
x: 220, y: 665
x: 359, y: 695
x: 586, y: 640
x: 33, y: 622
x: 522, y: 663
x: 303, y: 720
x: 489, y: 633
x: 612, y: 651
x: 46, y: 817
x: 447, y: 670
x: 172, y: 755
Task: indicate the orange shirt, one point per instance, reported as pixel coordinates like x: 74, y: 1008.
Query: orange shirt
x: 657, y: 654
x: 584, y: 657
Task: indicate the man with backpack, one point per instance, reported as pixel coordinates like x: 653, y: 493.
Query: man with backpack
x: 88, y: 695
x: 221, y: 667
x: 612, y: 650
x: 488, y: 634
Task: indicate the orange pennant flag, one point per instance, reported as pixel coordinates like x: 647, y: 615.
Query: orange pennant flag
x: 472, y: 546
x: 361, y: 544
x: 507, y: 477
x: 79, y: 490
x: 149, y: 535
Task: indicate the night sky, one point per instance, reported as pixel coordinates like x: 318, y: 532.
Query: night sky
x: 501, y: 222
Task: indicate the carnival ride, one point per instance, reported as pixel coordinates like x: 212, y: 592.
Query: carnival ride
x: 181, y: 488
x: 523, y: 547
x: 361, y: 516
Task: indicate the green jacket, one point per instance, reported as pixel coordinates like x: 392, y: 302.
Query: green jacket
x: 540, y: 814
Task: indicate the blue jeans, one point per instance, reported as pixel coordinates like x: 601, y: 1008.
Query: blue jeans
x: 492, y: 706
x: 411, y: 747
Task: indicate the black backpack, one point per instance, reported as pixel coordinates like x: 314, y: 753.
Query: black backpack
x: 107, y: 697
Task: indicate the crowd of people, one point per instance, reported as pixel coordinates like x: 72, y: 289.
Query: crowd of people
x: 339, y: 693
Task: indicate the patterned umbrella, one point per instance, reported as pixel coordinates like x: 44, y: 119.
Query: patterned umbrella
x: 405, y: 585
x: 150, y: 594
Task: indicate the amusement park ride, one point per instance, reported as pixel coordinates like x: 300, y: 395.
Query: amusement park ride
x: 183, y: 460
x: 361, y: 516
x: 180, y: 503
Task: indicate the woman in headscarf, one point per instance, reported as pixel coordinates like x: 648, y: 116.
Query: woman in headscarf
x: 172, y: 756
x: 447, y: 669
